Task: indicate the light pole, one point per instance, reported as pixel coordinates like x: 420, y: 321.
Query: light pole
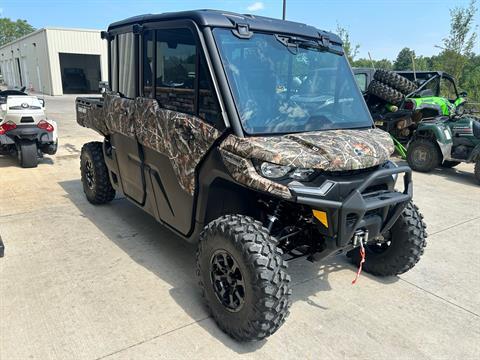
x: 284, y: 9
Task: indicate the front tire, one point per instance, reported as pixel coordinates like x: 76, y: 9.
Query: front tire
x: 94, y: 172
x: 403, y: 246
x: 28, y: 154
x: 243, y: 277
x: 423, y: 155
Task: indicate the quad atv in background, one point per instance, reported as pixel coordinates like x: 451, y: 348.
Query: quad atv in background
x: 400, y: 100
x: 249, y: 136
x: 446, y: 141
x: 25, y: 131
x: 425, y: 112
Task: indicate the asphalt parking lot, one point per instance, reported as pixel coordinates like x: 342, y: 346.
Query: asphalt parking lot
x: 108, y: 282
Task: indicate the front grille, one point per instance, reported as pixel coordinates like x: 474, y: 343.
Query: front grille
x: 349, y: 172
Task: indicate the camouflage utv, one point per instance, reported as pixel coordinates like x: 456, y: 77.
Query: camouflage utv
x: 249, y: 136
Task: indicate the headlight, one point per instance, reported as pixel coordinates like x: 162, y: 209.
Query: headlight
x: 302, y: 174
x: 274, y: 171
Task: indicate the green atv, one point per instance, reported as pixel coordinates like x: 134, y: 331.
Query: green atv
x: 445, y: 141
x: 400, y: 101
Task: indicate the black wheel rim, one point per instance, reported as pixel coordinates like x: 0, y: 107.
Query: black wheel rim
x: 89, y: 174
x: 227, y: 280
x: 421, y: 156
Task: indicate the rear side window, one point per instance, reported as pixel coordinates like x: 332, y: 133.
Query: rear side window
x: 148, y: 63
x: 113, y: 65
x: 127, y: 65
x: 175, y: 78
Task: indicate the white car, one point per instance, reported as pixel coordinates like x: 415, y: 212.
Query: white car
x: 25, y: 129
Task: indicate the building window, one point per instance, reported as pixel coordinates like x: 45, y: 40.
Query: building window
x: 175, y: 64
x: 148, y: 63
x: 127, y: 65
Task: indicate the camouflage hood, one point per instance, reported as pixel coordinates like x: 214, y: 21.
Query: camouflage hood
x: 333, y: 150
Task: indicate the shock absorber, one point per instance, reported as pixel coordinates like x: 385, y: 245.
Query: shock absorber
x: 275, y: 216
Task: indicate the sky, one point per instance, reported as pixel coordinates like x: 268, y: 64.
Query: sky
x: 381, y: 27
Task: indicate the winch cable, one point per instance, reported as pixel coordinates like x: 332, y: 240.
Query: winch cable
x: 362, y: 255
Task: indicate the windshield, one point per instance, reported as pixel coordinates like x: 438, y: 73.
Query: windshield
x: 281, y: 89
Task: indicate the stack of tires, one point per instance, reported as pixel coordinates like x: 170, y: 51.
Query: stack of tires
x: 390, y: 86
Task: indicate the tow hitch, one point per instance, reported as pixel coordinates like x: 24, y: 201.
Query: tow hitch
x: 359, y: 239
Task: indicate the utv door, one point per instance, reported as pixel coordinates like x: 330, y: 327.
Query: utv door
x: 177, y: 119
x: 120, y: 112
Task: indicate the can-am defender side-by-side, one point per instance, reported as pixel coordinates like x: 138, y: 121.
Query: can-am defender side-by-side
x: 249, y: 136
x: 25, y: 130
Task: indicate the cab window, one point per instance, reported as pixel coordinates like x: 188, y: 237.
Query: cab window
x: 447, y: 89
x: 127, y: 65
x: 148, y: 64
x: 175, y: 78
x: 113, y: 65
x: 361, y: 80
x: 176, y: 74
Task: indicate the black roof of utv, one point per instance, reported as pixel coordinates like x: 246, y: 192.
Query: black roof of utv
x: 225, y: 19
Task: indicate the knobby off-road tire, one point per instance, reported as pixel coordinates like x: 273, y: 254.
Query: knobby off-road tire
x: 477, y: 170
x: 407, y: 242
x: 385, y: 92
x: 242, y: 241
x: 396, y: 81
x: 94, y: 172
x: 450, y: 164
x: 28, y: 154
x: 423, y: 155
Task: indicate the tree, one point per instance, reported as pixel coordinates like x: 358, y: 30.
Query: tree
x: 462, y: 30
x: 404, y: 59
x: 377, y: 64
x: 351, y: 51
x: 457, y: 47
x: 12, y: 30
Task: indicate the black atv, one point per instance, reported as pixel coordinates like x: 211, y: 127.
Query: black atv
x: 249, y: 136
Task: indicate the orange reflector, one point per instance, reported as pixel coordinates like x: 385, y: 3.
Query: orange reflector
x: 321, y: 216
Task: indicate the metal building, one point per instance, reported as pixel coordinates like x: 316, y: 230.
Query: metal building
x: 56, y: 61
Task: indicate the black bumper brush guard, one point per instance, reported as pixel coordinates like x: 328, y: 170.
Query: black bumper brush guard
x: 375, y: 212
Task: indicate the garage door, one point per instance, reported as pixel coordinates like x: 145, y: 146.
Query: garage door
x: 80, y: 73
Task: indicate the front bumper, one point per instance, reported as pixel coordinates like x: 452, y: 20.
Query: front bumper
x: 364, y: 208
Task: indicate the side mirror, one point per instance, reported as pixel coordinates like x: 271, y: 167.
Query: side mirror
x: 463, y: 94
x: 42, y: 102
x: 103, y: 86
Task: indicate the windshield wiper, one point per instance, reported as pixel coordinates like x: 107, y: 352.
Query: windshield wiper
x: 295, y: 42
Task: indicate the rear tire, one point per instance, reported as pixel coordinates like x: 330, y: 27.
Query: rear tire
x: 396, y: 81
x: 94, y: 173
x: 256, y: 303
x: 450, y: 164
x: 423, y: 155
x: 28, y: 154
x: 407, y: 243
x: 385, y: 92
